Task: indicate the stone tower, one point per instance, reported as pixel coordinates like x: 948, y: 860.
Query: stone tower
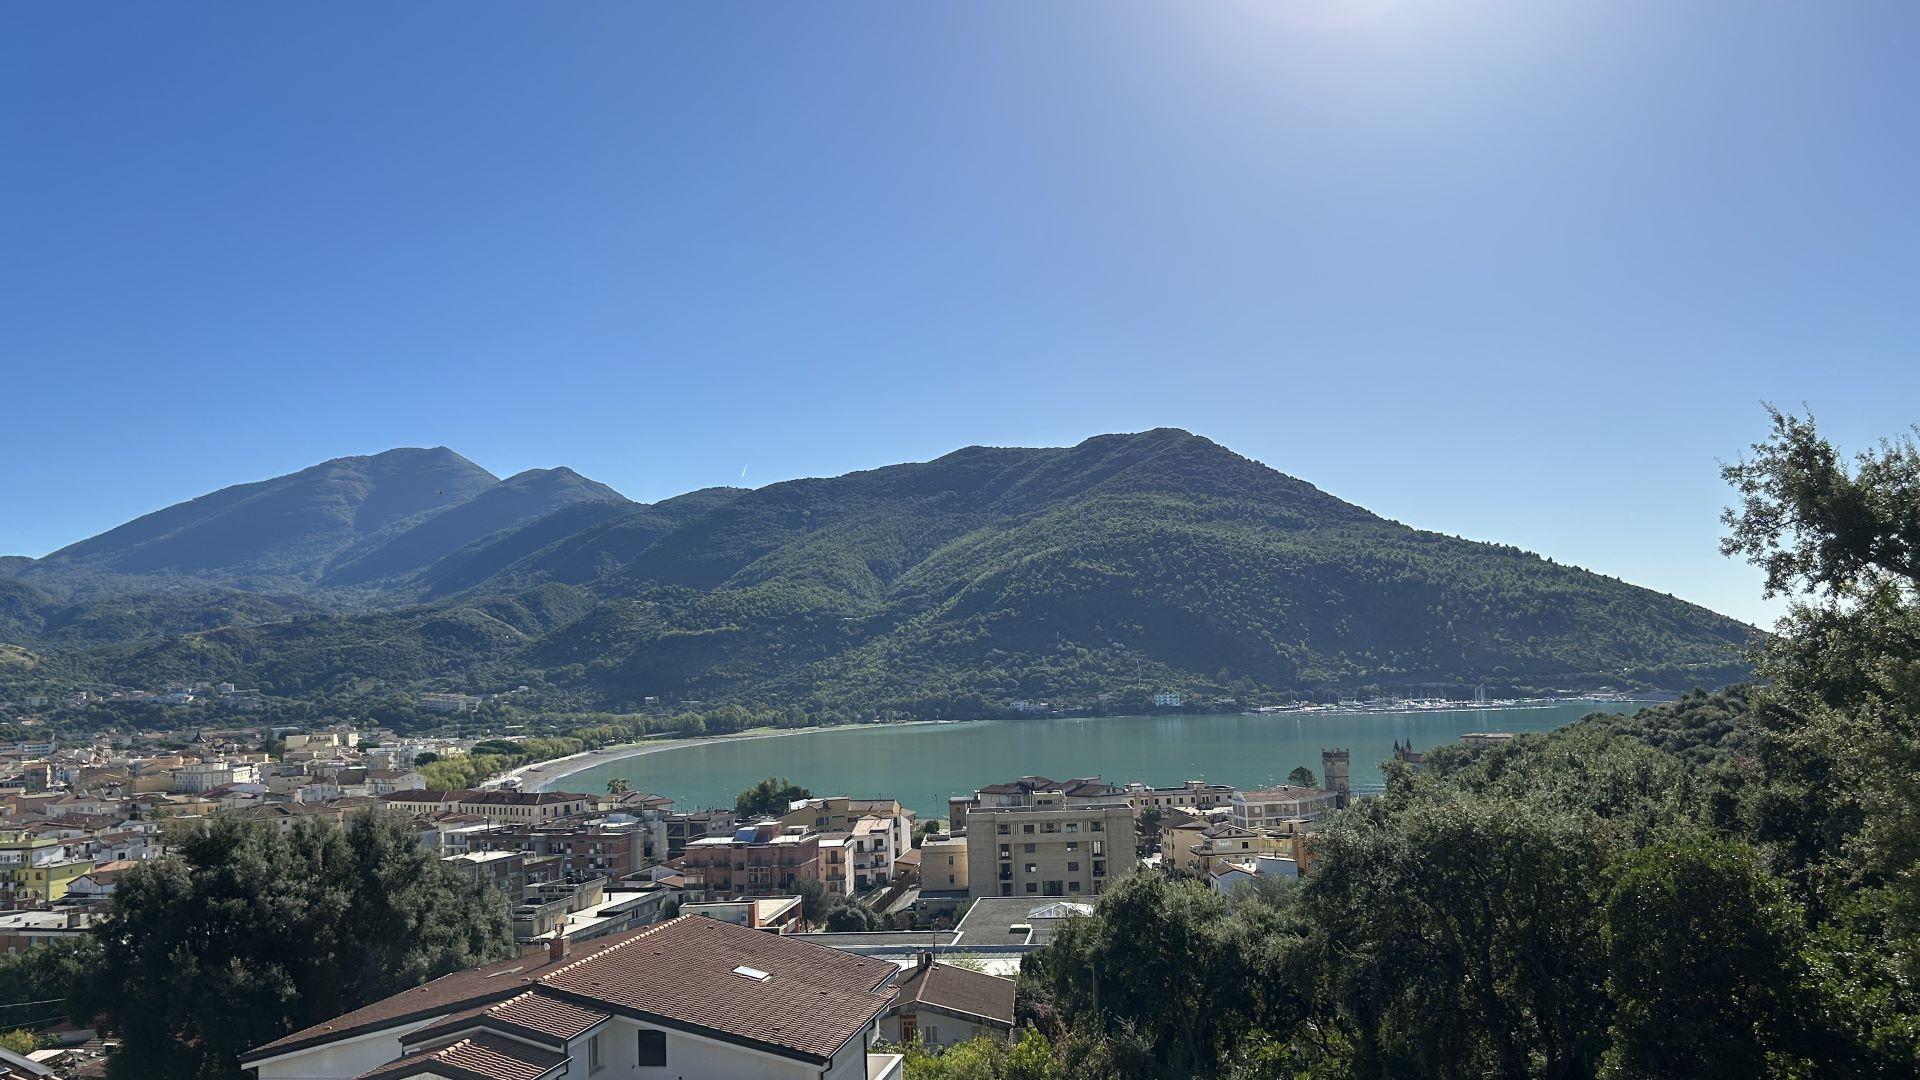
x: 1333, y: 772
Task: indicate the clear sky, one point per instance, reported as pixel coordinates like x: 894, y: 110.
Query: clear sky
x: 1516, y: 271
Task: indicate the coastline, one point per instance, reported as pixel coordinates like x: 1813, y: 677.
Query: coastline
x: 541, y: 774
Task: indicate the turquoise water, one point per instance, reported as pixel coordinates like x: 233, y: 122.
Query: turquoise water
x: 923, y: 764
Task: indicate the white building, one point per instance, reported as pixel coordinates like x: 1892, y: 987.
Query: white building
x: 690, y: 998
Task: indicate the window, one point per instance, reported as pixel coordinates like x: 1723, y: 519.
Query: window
x: 1033, y: 868
x: 1098, y: 827
x: 1073, y: 845
x: 1033, y: 886
x: 1005, y: 829
x: 1073, y: 826
x: 933, y: 1035
x: 1027, y: 828
x: 1006, y: 888
x: 594, y: 1061
x: 1029, y: 848
x: 653, y: 1050
x: 1099, y: 848
x: 1073, y: 886
x: 1073, y: 868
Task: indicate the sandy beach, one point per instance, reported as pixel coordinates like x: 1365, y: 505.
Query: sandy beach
x: 539, y: 775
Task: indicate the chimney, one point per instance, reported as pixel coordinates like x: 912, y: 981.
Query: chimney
x: 557, y: 948
x: 926, y: 959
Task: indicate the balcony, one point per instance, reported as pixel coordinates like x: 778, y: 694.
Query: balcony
x: 885, y: 1066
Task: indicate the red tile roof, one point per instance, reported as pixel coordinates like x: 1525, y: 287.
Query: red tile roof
x: 975, y: 994
x: 679, y: 973
x: 683, y: 973
x: 532, y: 1015
x: 447, y: 994
x: 481, y: 1057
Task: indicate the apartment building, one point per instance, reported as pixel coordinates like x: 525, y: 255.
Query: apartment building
x: 1047, y: 847
x: 943, y: 864
x: 494, y: 804
x: 756, y: 860
x: 1282, y: 809
x: 686, y: 827
x: 611, y: 850
x: 1192, y: 795
x: 1201, y: 852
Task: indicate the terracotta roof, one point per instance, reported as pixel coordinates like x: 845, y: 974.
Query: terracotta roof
x: 957, y: 990
x: 482, y: 1057
x: 532, y: 1015
x: 435, y: 795
x: 502, y: 797
x: 449, y: 993
x: 679, y: 973
x: 687, y: 972
x: 1023, y: 785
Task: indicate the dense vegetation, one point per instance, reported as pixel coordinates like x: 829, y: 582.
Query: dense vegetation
x: 1721, y: 887
x: 251, y: 933
x: 1089, y: 577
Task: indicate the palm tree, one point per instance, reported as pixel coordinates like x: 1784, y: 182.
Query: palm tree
x: 618, y: 786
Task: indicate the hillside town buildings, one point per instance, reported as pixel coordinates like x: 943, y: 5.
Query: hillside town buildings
x: 583, y: 873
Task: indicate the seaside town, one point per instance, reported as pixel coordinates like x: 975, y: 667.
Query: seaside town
x: 913, y: 928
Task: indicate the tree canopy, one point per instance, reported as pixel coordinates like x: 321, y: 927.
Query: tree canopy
x: 250, y: 933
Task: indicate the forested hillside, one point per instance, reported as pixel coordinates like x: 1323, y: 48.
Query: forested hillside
x: 1722, y: 887
x: 946, y: 587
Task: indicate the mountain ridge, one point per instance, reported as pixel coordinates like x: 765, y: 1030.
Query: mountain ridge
x: 983, y: 576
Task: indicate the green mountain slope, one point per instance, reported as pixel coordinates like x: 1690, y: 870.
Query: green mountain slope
x: 515, y: 501
x: 989, y: 575
x: 279, y: 533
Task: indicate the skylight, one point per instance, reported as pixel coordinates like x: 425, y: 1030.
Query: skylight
x: 752, y: 973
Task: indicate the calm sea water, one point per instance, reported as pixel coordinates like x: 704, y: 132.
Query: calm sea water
x: 923, y: 764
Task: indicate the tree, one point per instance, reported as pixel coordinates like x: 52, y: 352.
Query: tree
x: 1843, y: 696
x: 618, y: 786
x: 1171, y: 964
x: 425, y: 757
x: 1701, y: 948
x: 769, y: 798
x: 1301, y: 776
x: 20, y: 1041
x: 249, y: 934
x: 813, y: 900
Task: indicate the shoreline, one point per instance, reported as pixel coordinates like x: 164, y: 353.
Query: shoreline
x: 539, y: 775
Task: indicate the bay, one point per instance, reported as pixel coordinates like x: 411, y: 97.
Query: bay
x: 922, y: 764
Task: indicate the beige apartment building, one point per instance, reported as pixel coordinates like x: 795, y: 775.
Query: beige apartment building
x: 1047, y: 848
x: 943, y: 864
x: 1282, y: 809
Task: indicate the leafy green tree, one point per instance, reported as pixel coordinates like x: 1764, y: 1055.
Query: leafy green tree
x: 769, y: 798
x: 20, y: 1041
x: 813, y: 900
x: 45, y: 973
x: 1701, y: 949
x: 1167, y: 963
x: 1301, y: 776
x: 1459, y: 934
x: 250, y: 933
x: 619, y: 785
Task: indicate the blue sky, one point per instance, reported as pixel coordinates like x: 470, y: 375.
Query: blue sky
x: 1519, y: 272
